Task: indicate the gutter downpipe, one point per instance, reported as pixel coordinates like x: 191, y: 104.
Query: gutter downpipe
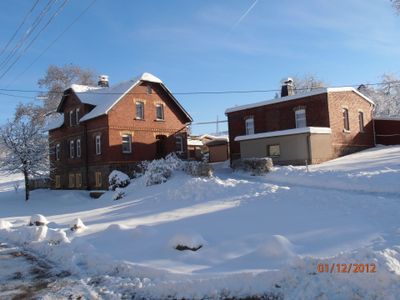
x: 373, y: 123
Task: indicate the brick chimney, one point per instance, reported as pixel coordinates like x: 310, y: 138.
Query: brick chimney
x: 103, y: 81
x: 287, y: 87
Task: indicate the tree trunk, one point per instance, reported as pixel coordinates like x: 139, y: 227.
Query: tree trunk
x: 26, y: 186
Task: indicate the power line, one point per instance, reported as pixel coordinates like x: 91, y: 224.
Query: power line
x: 19, y: 27
x: 53, y: 42
x: 98, y: 92
x: 60, y: 8
x: 27, y: 34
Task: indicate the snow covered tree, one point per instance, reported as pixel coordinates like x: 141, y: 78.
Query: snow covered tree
x: 25, y: 149
x: 396, y: 5
x: 59, y: 78
x: 386, y: 95
x: 307, y: 83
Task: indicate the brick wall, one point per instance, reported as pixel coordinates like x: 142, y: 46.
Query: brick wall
x: 345, y: 142
x: 119, y: 120
x: 278, y: 116
x: 387, y: 132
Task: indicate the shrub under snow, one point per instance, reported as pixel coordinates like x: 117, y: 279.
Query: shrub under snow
x: 38, y: 220
x: 77, y: 225
x: 199, y: 168
x: 257, y: 166
x: 118, y: 179
x: 159, y: 170
x: 5, y: 224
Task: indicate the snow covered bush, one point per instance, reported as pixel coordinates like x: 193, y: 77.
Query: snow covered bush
x: 38, y: 220
x: 77, y: 225
x: 256, y: 166
x: 159, y: 170
x: 5, y: 224
x: 197, y: 168
x: 119, y: 194
x: 118, y: 179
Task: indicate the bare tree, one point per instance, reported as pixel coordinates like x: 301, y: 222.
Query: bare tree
x: 25, y: 149
x: 386, y: 95
x: 307, y: 83
x: 396, y: 5
x: 59, y: 78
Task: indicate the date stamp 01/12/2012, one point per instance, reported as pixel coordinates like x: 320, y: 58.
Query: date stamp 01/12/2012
x: 346, y: 268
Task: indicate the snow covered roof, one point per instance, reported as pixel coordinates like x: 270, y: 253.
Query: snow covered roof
x: 387, y: 118
x: 298, y: 96
x: 194, y: 143
x: 324, y: 130
x: 104, y: 98
x: 53, y: 121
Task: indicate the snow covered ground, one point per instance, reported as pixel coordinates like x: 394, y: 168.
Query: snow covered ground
x: 260, y: 235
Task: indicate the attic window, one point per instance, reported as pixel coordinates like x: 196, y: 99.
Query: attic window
x: 139, y: 110
x: 71, y: 119
x: 160, y: 112
x: 77, y: 116
x: 149, y: 90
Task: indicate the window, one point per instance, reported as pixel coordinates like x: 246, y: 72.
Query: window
x: 58, y: 149
x: 77, y: 116
x: 71, y: 149
x: 57, y: 181
x: 78, y: 148
x: 98, y: 144
x: 160, y: 112
x: 361, y: 121
x: 346, y: 125
x: 249, y: 123
x: 139, y: 110
x: 178, y: 144
x: 97, y: 176
x: 273, y: 150
x: 149, y: 90
x: 71, y: 181
x: 126, y: 143
x: 78, y: 180
x: 71, y: 119
x: 300, y: 115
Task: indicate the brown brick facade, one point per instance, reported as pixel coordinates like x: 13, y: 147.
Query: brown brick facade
x: 322, y: 110
x: 146, y: 135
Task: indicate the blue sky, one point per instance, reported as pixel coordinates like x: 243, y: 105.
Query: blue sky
x: 202, y: 46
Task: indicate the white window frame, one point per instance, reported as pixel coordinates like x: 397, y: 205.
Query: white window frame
x: 249, y: 125
x: 300, y: 117
x: 161, y: 106
x: 78, y: 180
x: 78, y: 148
x: 141, y: 104
x: 77, y: 116
x: 71, y: 149
x: 58, y: 151
x: 129, y: 143
x: 269, y: 147
x: 71, y: 112
x: 180, y: 139
x: 71, y: 180
x: 98, y: 144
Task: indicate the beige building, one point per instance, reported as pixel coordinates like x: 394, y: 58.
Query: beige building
x: 292, y: 146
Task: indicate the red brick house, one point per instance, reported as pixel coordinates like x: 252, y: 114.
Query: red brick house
x: 297, y: 128
x: 99, y: 129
